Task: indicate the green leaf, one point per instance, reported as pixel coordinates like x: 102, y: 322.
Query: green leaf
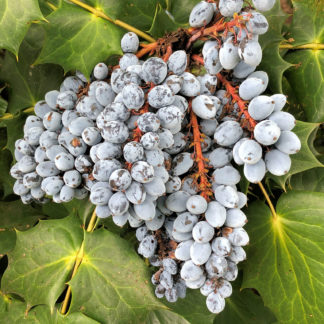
x: 309, y: 14
x: 163, y: 316
x: 306, y: 79
x: 3, y: 106
x: 307, y: 76
x: 311, y: 180
x: 272, y: 61
x: 293, y: 106
x: 15, y: 215
x: 73, y: 318
x: 3, y: 303
x: 285, y: 256
x: 244, y: 307
x: 15, y: 130
x: 42, y: 260
x: 7, y: 241
x: 137, y: 13
x: 111, y: 284
x: 181, y: 10
x: 304, y: 159
x: 27, y: 83
x: 15, y: 19
x: 82, y: 208
x: 6, y: 181
x: 77, y: 39
x: 162, y: 23
x: 17, y: 312
x: 48, y: 6
x: 193, y: 308
x: 121, y: 231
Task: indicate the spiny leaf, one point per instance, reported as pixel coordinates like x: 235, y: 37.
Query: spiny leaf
x: 193, y: 308
x: 242, y: 307
x: 17, y: 312
x: 164, y: 316
x: 162, y: 23
x: 42, y: 260
x: 307, y: 76
x: 3, y: 106
x: 6, y: 181
x: 14, y: 128
x: 81, y: 208
x: 7, y: 241
x: 293, y: 106
x: 28, y: 84
x: 307, y: 25
x: 304, y: 159
x: 47, y: 6
x: 15, y: 215
x: 245, y: 307
x: 180, y: 10
x: 113, y: 276
x: 15, y: 19
x: 272, y: 61
x: 285, y: 257
x: 307, y: 81
x: 137, y: 13
x: 311, y: 180
x: 167, y: 21
x: 77, y: 39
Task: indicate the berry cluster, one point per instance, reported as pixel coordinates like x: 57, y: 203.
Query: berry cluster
x: 156, y: 146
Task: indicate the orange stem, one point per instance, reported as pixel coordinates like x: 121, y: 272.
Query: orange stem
x: 147, y: 48
x: 168, y: 53
x: 137, y: 133
x: 197, y: 58
x: 203, y: 183
x: 232, y: 91
x: 240, y: 102
x: 213, y: 30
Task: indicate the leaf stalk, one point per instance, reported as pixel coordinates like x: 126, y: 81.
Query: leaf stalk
x: 273, y: 211
x: 7, y: 116
x: 117, y: 22
x: 313, y: 46
x: 92, y: 222
x: 78, y: 261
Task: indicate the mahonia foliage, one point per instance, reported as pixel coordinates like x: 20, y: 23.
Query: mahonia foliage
x: 282, y: 279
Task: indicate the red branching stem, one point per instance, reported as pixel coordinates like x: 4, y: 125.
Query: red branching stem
x: 240, y: 102
x: 198, y: 59
x: 232, y: 91
x: 128, y: 165
x: 137, y: 134
x: 168, y: 53
x: 201, y: 175
x: 147, y: 48
x: 143, y: 110
x: 220, y: 25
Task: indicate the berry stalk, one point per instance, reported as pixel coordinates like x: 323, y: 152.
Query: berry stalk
x: 137, y: 133
x: 201, y: 175
x: 147, y: 48
x: 220, y: 25
x: 232, y: 91
x: 240, y: 102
